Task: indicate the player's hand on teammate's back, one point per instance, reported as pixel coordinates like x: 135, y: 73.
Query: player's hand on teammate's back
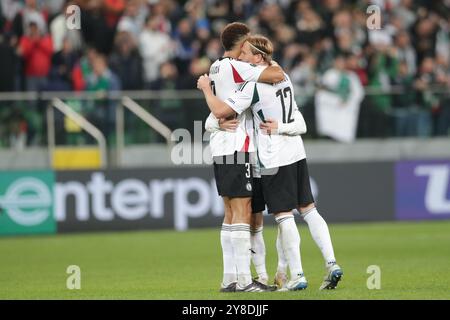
x: 228, y: 125
x: 203, y: 82
x: 270, y: 126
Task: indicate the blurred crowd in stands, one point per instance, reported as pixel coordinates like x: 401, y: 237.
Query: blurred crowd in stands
x: 167, y: 44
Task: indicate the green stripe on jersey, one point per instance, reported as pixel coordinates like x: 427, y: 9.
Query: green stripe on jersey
x: 241, y: 87
x: 255, y: 98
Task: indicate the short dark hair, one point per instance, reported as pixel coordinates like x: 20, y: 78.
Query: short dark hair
x: 232, y: 34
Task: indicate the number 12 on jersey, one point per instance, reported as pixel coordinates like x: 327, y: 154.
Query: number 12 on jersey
x: 282, y: 93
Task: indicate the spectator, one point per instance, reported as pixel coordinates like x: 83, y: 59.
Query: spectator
x: 286, y: 45
x: 133, y: 20
x: 54, y: 8
x: 406, y: 52
x: 126, y: 62
x: 425, y: 36
x: 443, y: 40
x: 270, y: 16
x: 9, y: 10
x: 327, y: 12
x: 169, y: 110
x: 160, y: 10
x: 411, y: 46
x: 428, y: 100
x: 357, y: 64
x: 186, y: 45
x: 338, y: 102
x: 99, y: 25
x: 382, y: 68
x: 63, y: 64
x: 17, y: 129
x: 197, y: 67
x: 405, y: 11
x: 113, y: 10
x: 30, y: 13
x: 404, y: 103
x: 155, y: 47
x: 102, y: 80
x: 325, y: 53
x: 59, y: 32
x: 213, y: 49
x: 83, y: 69
x: 304, y: 75
x: 8, y: 65
x: 36, y: 49
x: 349, y: 35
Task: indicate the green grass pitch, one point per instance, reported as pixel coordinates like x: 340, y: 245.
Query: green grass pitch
x: 414, y: 259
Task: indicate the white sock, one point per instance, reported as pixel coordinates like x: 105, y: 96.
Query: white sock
x: 321, y: 235
x: 290, y: 241
x: 282, y: 262
x: 240, y: 240
x: 229, y: 266
x: 259, y: 252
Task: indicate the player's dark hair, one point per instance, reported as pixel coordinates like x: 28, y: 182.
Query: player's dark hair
x: 233, y: 34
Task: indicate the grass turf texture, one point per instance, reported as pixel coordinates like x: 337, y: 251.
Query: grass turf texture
x: 414, y: 259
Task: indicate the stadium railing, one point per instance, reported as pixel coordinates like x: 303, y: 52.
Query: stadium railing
x: 142, y: 117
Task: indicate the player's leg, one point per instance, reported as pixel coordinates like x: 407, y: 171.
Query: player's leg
x: 290, y: 245
x: 281, y: 277
x: 229, y: 266
x: 239, y: 189
x: 237, y: 185
x: 280, y: 193
x: 229, y: 279
x: 319, y: 232
x: 321, y: 235
x: 240, y: 239
x: 317, y: 227
x: 258, y: 250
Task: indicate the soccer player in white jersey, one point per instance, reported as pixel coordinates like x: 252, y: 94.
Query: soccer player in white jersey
x: 231, y: 154
x: 285, y: 179
x: 258, y: 247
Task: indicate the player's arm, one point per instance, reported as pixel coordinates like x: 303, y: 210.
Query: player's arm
x: 272, y: 74
x: 213, y: 124
x: 295, y: 128
x: 218, y: 108
x: 255, y: 73
x: 238, y: 103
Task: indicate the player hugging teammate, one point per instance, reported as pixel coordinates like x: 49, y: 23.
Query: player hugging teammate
x: 254, y: 117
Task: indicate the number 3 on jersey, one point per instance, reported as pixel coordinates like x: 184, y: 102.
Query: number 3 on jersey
x: 282, y: 93
x: 248, y: 173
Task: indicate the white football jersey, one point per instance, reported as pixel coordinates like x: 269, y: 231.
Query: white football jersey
x: 226, y: 76
x: 271, y: 102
